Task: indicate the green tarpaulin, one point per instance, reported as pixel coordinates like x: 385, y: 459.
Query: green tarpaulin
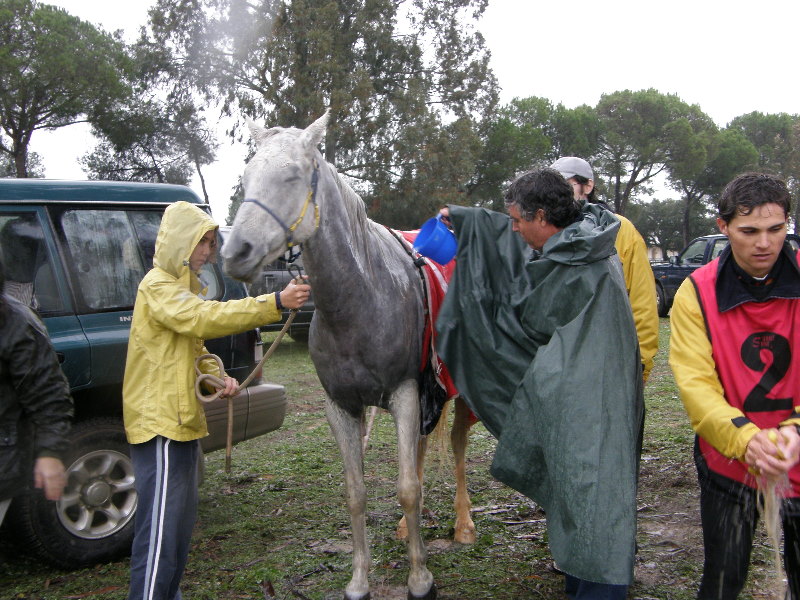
x: 545, y: 353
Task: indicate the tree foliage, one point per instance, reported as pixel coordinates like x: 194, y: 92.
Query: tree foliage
x: 407, y: 82
x: 661, y: 223
x: 700, y: 176
x: 776, y: 138
x: 152, y: 141
x: 640, y: 133
x: 160, y: 134
x: 35, y: 167
x: 527, y: 132
x: 55, y: 70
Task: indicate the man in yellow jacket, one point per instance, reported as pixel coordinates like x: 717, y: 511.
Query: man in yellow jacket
x: 164, y: 421
x: 632, y: 252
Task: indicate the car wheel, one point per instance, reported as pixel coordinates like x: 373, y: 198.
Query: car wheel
x: 661, y: 301
x: 93, y: 520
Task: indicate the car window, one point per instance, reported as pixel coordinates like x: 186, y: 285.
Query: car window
x: 28, y: 264
x: 104, y: 257
x: 694, y: 253
x: 109, y: 252
x: 146, y: 224
x: 210, y: 280
x: 719, y: 246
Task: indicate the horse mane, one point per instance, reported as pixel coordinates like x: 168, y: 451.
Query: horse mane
x: 353, y: 203
x: 361, y: 226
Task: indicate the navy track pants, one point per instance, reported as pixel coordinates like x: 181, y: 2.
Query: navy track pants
x: 166, y: 485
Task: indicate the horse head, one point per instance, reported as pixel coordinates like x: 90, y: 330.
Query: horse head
x: 280, y: 207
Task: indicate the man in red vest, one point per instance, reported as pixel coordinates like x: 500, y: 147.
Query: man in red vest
x: 735, y: 327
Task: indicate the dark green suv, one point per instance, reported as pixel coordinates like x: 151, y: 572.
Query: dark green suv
x: 75, y: 252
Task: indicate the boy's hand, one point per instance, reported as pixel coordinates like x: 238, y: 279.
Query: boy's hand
x: 295, y: 294
x: 231, y: 386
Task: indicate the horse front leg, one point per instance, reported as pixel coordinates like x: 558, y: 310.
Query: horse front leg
x: 404, y: 407
x: 422, y: 447
x: 459, y: 436
x: 347, y: 432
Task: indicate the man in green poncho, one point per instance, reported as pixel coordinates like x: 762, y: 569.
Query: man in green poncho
x: 537, y: 331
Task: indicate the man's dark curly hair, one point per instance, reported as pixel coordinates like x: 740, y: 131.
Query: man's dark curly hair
x: 750, y: 190
x: 546, y: 189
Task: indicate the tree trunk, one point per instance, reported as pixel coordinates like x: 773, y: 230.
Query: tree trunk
x: 21, y: 161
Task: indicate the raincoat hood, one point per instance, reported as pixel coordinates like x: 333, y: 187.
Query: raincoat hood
x: 587, y: 241
x: 182, y: 227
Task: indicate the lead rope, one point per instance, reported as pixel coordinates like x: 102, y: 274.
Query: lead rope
x: 218, y: 383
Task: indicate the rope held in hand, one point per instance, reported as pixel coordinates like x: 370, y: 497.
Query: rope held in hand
x: 219, y: 383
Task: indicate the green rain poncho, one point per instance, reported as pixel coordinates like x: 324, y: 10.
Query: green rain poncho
x: 545, y: 353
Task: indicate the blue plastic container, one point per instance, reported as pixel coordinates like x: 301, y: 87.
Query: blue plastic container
x: 436, y: 241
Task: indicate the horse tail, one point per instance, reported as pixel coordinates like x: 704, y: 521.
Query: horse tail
x: 439, y: 438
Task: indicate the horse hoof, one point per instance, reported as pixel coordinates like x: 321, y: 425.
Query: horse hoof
x: 465, y: 537
x: 364, y: 597
x: 429, y: 595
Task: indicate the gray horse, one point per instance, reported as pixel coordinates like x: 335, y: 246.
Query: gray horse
x: 366, y: 336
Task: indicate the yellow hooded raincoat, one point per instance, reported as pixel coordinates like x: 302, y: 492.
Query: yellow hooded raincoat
x: 170, y: 323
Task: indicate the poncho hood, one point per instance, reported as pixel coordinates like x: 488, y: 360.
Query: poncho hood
x: 587, y: 241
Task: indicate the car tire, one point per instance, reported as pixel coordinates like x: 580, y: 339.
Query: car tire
x: 661, y: 301
x: 93, y: 521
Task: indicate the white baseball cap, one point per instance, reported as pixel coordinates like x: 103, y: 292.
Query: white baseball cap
x: 569, y: 166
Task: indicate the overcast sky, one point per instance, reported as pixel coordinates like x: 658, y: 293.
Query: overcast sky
x: 729, y: 57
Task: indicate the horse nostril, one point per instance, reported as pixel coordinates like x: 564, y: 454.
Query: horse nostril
x: 244, y: 252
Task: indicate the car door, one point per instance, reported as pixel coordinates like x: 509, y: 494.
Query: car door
x: 105, y: 264
x: 35, y: 276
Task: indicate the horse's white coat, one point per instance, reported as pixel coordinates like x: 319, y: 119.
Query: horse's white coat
x: 365, y: 339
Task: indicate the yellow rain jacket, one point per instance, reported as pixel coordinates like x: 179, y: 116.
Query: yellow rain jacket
x: 640, y: 283
x: 170, y: 322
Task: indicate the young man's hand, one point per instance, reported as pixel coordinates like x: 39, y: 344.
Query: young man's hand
x: 772, y: 452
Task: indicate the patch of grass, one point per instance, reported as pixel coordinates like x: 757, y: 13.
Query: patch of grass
x: 278, y: 522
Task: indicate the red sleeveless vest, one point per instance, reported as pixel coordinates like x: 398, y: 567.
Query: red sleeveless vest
x: 753, y: 348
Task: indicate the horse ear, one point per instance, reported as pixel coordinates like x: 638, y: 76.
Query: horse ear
x: 313, y: 134
x: 258, y: 133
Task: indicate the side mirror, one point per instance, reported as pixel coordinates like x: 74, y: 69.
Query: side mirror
x: 674, y: 260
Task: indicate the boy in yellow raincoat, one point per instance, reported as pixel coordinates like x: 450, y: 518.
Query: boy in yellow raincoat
x: 164, y: 421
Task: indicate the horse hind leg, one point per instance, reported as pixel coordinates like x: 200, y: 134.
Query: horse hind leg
x: 404, y: 407
x: 464, y: 526
x: 347, y: 432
